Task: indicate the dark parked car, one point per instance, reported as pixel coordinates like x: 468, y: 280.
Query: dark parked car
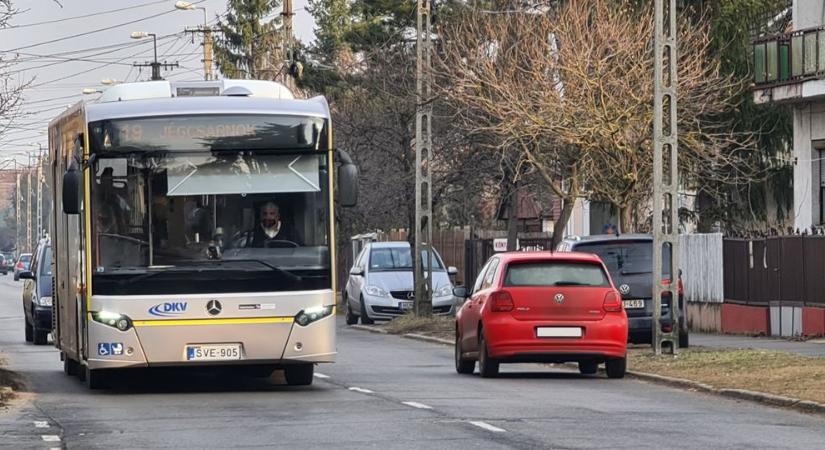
x: 629, y: 259
x: 37, y: 295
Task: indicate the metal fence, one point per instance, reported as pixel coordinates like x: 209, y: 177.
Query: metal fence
x: 782, y: 270
x: 702, y: 263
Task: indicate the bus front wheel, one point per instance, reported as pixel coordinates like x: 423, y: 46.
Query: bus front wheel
x: 299, y: 374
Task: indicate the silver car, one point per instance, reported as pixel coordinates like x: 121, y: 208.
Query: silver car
x: 380, y: 284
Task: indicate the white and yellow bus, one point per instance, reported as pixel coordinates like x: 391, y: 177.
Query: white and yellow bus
x: 193, y: 226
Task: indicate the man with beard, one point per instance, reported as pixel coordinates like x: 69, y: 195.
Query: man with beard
x: 271, y: 231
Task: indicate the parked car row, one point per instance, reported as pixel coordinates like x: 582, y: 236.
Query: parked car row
x: 37, y: 293
x: 582, y: 303
x: 16, y: 265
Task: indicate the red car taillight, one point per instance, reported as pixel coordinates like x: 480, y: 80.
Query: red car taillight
x: 502, y: 301
x: 612, y: 302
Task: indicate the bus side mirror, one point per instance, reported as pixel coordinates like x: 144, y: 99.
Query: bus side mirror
x: 71, y: 191
x: 347, y: 180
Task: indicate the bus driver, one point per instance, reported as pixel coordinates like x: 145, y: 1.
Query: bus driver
x: 271, y: 230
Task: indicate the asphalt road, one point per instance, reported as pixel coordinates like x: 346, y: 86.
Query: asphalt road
x: 384, y: 392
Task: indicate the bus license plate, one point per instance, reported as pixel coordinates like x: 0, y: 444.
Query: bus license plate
x: 218, y: 352
x: 405, y: 306
x: 634, y: 304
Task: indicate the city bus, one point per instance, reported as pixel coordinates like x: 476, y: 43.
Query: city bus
x: 194, y: 226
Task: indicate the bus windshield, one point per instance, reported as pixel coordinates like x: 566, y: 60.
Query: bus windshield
x: 210, y: 222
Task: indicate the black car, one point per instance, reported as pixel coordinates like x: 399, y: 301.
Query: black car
x: 37, y: 295
x: 629, y: 259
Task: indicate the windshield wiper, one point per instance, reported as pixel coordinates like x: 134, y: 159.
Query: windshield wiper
x: 195, y: 265
x: 288, y: 274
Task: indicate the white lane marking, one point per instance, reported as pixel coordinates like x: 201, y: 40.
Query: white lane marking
x: 417, y: 405
x: 50, y: 438
x: 321, y: 376
x: 361, y: 390
x: 41, y: 424
x: 487, y: 426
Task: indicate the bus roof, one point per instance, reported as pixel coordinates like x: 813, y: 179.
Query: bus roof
x: 165, y: 98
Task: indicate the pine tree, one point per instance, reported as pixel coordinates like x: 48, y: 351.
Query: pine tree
x: 249, y: 46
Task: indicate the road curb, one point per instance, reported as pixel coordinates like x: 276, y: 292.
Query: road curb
x: 739, y: 394
x: 433, y: 339
x: 369, y: 328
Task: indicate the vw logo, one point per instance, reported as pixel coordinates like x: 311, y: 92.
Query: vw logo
x: 559, y: 298
x: 624, y: 289
x: 213, y: 307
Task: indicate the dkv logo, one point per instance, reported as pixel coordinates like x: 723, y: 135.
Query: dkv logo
x: 168, y: 309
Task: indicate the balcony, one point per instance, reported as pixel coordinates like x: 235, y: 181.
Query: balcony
x: 782, y: 64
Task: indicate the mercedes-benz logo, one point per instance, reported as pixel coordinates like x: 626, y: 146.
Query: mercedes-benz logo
x: 559, y: 298
x: 624, y: 289
x: 213, y: 307
x: 410, y: 295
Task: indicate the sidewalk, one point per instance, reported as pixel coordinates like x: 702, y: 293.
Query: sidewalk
x: 813, y: 348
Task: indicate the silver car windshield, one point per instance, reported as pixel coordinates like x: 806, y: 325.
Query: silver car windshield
x: 398, y: 258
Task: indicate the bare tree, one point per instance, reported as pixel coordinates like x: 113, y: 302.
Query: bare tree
x: 11, y: 90
x: 375, y: 119
x: 570, y: 90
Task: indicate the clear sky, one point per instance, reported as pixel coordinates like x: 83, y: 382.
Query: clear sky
x: 71, y: 53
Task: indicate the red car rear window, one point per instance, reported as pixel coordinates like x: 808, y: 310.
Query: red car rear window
x: 555, y: 273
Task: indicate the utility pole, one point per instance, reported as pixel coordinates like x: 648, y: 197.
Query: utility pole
x: 39, y: 229
x: 29, y: 205
x: 155, y: 65
x: 17, y: 210
x: 665, y: 176
x: 206, y: 31
x: 293, y: 69
x: 423, y: 156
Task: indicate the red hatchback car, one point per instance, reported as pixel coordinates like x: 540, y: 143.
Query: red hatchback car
x: 541, y: 307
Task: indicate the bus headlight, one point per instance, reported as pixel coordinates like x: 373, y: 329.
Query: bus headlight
x: 45, y: 301
x: 313, y: 314
x: 116, y: 320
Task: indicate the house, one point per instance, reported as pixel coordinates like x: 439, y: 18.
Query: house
x: 789, y: 68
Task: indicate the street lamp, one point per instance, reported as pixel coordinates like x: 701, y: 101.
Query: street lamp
x: 89, y: 91
x: 207, y: 37
x: 109, y: 81
x: 155, y: 64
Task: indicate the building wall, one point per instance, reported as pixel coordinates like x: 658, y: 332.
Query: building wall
x: 808, y: 136
x: 808, y: 14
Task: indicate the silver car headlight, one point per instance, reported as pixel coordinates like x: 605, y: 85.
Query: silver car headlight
x: 444, y: 291
x: 45, y: 301
x: 376, y: 291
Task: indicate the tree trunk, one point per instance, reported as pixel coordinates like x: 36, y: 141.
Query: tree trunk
x: 626, y: 219
x: 512, y: 215
x: 561, y: 222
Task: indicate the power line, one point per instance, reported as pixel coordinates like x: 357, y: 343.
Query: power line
x: 100, y: 13
x: 88, y: 70
x: 86, y: 33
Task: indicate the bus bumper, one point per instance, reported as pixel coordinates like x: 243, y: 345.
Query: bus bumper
x: 274, y: 342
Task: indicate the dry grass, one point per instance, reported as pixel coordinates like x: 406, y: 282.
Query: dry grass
x: 438, y: 326
x: 756, y: 370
